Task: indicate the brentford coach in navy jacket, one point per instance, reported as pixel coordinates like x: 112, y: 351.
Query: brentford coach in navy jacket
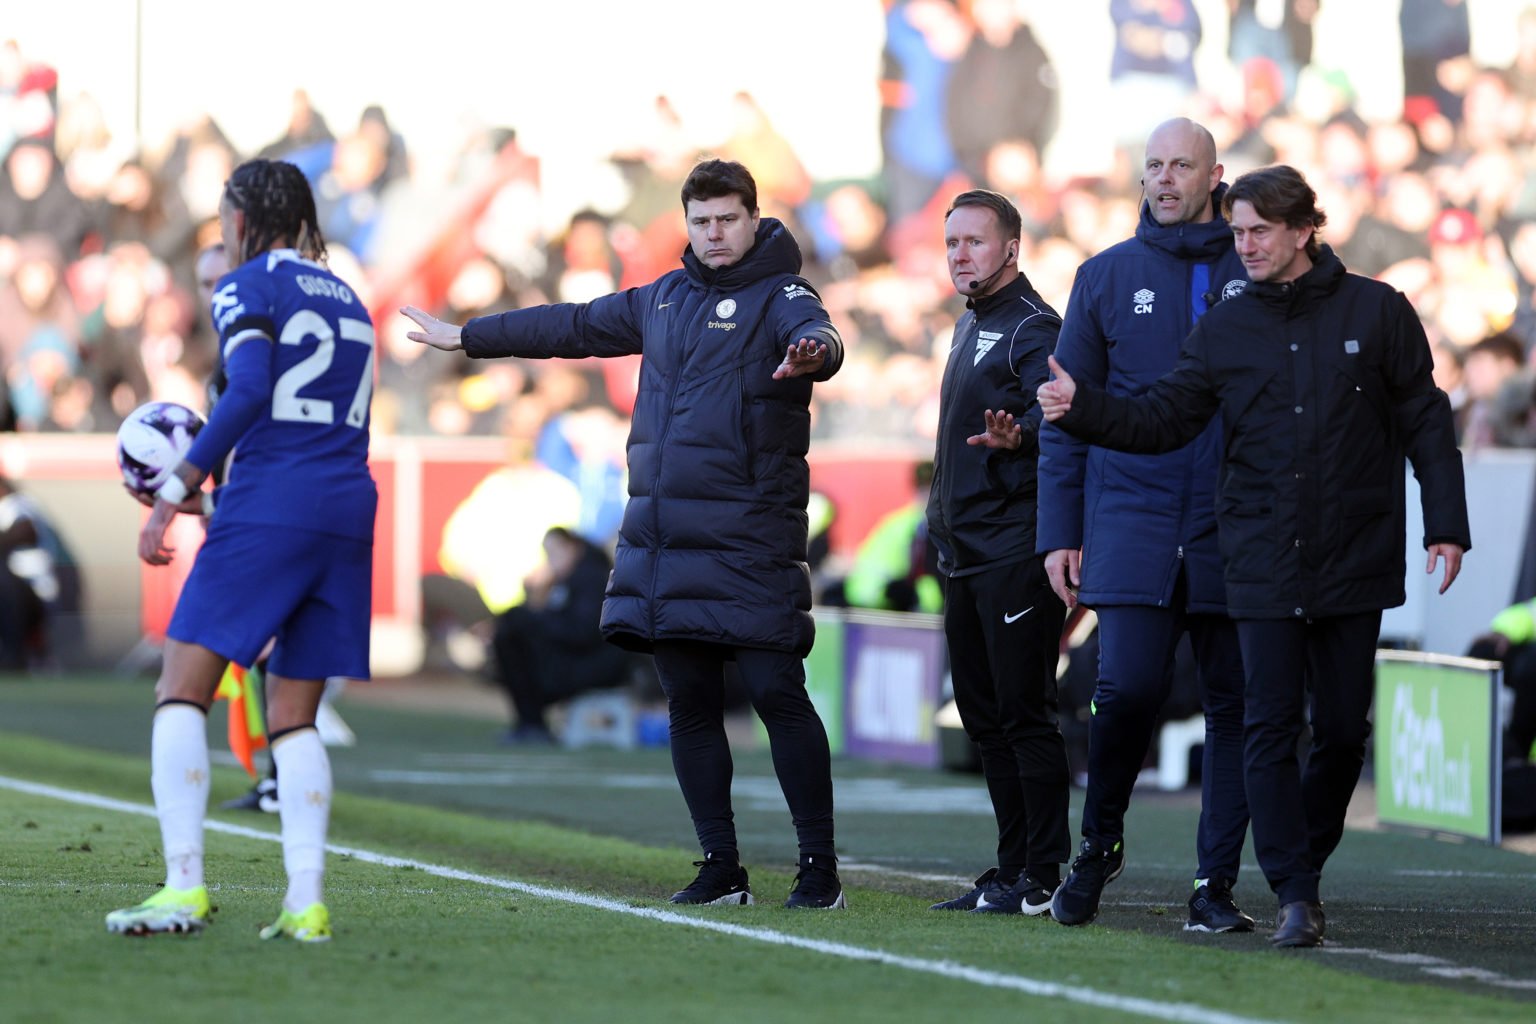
x: 1136, y: 533
x: 711, y: 559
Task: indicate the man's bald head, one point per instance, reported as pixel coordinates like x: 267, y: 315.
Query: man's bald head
x: 1191, y: 134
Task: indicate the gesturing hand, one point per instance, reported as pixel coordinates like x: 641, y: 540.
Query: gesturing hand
x: 438, y: 333
x: 1003, y: 431
x: 1452, y: 554
x: 803, y: 357
x: 1056, y: 395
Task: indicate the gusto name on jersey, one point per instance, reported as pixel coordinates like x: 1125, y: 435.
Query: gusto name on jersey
x: 309, y: 284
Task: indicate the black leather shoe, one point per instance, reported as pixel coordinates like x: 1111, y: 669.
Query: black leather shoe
x: 1299, y: 924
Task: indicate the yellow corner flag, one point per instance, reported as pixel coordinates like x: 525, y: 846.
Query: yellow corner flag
x: 247, y: 728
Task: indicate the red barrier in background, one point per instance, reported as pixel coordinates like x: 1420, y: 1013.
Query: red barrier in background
x: 421, y: 481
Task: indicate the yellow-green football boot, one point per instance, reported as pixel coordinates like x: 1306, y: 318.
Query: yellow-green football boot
x: 312, y: 924
x: 178, y: 911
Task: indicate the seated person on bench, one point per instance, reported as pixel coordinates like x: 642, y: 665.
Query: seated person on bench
x: 549, y: 649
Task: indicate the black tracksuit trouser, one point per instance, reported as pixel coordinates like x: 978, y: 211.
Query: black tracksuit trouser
x: 692, y: 675
x: 1003, y: 627
x: 1298, y: 811
x: 1136, y: 660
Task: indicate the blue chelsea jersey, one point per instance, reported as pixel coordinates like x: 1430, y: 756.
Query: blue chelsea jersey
x: 303, y: 461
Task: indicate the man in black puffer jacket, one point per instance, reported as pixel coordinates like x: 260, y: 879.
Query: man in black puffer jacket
x: 710, y: 565
x: 1002, y: 622
x: 1322, y: 379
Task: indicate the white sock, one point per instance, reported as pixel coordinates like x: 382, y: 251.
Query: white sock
x: 304, y: 804
x: 178, y: 776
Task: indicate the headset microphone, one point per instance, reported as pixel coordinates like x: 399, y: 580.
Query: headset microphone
x: 978, y: 283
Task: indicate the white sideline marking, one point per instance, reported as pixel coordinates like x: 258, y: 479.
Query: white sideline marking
x: 1185, y: 1013
x: 1426, y: 873
x: 1436, y: 966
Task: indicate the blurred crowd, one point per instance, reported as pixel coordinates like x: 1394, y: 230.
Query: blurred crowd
x: 98, y: 239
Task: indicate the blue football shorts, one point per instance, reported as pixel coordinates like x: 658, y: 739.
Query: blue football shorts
x: 312, y: 591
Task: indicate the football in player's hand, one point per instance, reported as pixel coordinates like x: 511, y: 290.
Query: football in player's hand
x: 152, y: 440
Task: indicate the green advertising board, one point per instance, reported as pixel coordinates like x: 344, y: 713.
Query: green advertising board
x: 1437, y: 743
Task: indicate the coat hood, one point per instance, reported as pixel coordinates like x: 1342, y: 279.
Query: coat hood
x: 775, y: 251
x: 1204, y: 242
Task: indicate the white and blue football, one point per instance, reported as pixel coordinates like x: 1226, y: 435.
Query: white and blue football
x: 152, y: 440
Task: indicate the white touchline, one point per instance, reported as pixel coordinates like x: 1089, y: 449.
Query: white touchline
x: 1186, y: 1013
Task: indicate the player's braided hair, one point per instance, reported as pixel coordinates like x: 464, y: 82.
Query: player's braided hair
x: 278, y: 207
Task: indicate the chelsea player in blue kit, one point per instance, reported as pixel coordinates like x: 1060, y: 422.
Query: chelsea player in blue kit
x: 289, y: 547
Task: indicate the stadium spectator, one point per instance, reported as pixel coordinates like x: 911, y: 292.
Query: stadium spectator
x: 1522, y: 256
x: 374, y: 125
x: 1310, y: 507
x: 35, y: 296
x: 875, y: 273
x: 1522, y: 70
x: 1003, y: 88
x: 306, y: 129
x: 350, y: 188
x: 548, y: 646
x: 1511, y: 641
x: 35, y: 198
x: 86, y: 147
x: 1153, y: 67
x: 132, y: 208
x: 190, y: 178
x: 1417, y: 165
x: 711, y: 557
x: 1436, y: 41
x: 1486, y: 368
x: 39, y: 583
x: 1450, y: 377
x: 114, y: 330
x: 1148, y: 526
x: 581, y: 262
x: 1275, y: 30
x: 1512, y: 410
x: 923, y: 39
x: 299, y: 495
x: 1002, y: 623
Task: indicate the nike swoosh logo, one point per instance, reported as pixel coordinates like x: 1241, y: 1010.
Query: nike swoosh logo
x: 1015, y: 618
x: 664, y: 305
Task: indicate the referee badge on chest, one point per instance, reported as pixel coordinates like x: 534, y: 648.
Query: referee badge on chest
x: 984, y: 342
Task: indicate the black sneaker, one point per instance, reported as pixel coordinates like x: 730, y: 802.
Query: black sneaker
x: 261, y: 797
x: 1026, y: 896
x: 968, y: 901
x: 719, y: 882
x: 817, y: 886
x: 1212, y: 909
x: 1076, y: 901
